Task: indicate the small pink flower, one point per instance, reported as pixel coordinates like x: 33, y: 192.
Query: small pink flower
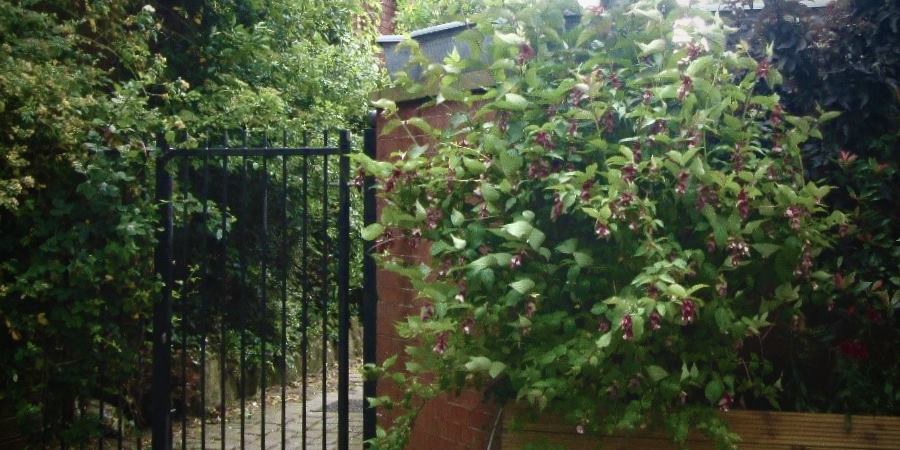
x: 636, y: 152
x: 579, y: 429
x: 647, y: 96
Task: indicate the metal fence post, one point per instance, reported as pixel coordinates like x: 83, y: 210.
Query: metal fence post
x: 343, y: 290
x: 162, y: 310
x: 369, y: 289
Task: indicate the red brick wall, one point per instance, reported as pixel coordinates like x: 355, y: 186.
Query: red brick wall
x: 448, y: 422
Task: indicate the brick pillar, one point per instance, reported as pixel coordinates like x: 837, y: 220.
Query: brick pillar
x: 448, y: 422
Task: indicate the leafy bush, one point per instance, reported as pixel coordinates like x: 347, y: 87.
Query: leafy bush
x: 843, y: 58
x: 613, y: 225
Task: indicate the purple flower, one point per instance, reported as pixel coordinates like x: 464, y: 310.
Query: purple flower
x: 743, y: 204
x: 601, y: 230
x: 603, y: 326
x: 557, y: 207
x: 627, y: 333
x: 526, y: 52
x: 427, y: 312
x: 433, y: 218
x: 516, y: 261
x: 440, y: 345
x: 468, y: 325
x: 688, y: 311
x: 725, y: 402
x: 543, y: 139
x: 586, y: 190
x: 655, y: 321
x: 629, y: 172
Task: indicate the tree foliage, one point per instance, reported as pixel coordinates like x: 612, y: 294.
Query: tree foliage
x: 84, y: 89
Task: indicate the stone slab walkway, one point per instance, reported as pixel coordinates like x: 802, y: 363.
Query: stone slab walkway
x: 321, y: 428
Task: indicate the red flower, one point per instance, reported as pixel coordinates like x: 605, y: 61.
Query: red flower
x: 854, y: 349
x: 845, y: 158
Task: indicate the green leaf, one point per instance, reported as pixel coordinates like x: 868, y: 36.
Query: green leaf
x: 457, y: 218
x: 766, y: 250
x: 496, y: 368
x: 522, y: 286
x: 478, y: 364
x: 653, y: 47
x: 518, y: 228
x: 458, y: 243
x: 536, y: 238
x: 509, y: 38
x: 714, y: 391
x: 582, y: 259
x: 604, y: 340
x: 656, y: 373
x: 371, y: 231
x: 516, y: 101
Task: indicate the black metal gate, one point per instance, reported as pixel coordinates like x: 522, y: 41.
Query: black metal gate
x: 254, y: 255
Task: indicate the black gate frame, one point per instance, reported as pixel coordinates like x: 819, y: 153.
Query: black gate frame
x: 161, y: 386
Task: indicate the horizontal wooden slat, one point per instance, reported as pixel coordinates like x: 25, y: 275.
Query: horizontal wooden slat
x: 758, y: 430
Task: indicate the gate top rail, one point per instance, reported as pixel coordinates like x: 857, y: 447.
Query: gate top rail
x: 252, y: 151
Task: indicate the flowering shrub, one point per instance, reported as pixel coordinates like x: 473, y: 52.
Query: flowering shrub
x: 609, y: 223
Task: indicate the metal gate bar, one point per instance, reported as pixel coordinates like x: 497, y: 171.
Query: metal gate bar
x: 213, y: 272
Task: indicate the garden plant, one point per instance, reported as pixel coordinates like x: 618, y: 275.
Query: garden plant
x: 615, y: 226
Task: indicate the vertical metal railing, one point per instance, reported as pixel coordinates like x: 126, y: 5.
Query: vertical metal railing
x: 240, y: 277
x: 369, y: 307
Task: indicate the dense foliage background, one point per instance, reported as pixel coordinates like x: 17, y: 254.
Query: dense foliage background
x: 84, y: 88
